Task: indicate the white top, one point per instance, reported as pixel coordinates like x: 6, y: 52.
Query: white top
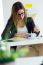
x: 22, y: 30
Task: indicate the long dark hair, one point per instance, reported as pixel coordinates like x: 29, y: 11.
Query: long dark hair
x: 16, y: 6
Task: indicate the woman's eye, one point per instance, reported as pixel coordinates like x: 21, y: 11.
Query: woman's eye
x: 21, y: 13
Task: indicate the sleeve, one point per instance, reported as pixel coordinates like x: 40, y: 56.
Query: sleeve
x: 30, y: 24
x: 9, y: 30
x: 6, y: 32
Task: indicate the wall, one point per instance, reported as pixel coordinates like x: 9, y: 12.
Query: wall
x: 1, y: 19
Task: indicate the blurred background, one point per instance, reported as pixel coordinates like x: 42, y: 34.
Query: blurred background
x: 33, y: 9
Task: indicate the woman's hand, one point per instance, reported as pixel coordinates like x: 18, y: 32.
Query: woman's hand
x: 22, y: 35
x: 36, y: 29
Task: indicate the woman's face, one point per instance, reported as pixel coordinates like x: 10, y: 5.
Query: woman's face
x: 20, y: 14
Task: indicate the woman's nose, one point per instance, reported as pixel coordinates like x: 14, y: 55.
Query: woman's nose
x: 21, y: 16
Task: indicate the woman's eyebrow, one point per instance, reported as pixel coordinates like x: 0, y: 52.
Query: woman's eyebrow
x: 21, y: 13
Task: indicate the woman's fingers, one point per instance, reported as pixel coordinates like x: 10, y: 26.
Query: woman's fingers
x: 36, y: 29
x: 23, y: 35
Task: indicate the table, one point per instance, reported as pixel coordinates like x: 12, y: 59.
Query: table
x: 24, y: 41
x: 38, y: 40
x: 29, y: 61
x: 26, y: 61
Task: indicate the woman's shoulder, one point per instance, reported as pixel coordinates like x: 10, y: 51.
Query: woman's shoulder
x: 30, y: 20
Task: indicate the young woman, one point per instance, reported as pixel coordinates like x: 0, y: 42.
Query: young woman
x: 18, y: 24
